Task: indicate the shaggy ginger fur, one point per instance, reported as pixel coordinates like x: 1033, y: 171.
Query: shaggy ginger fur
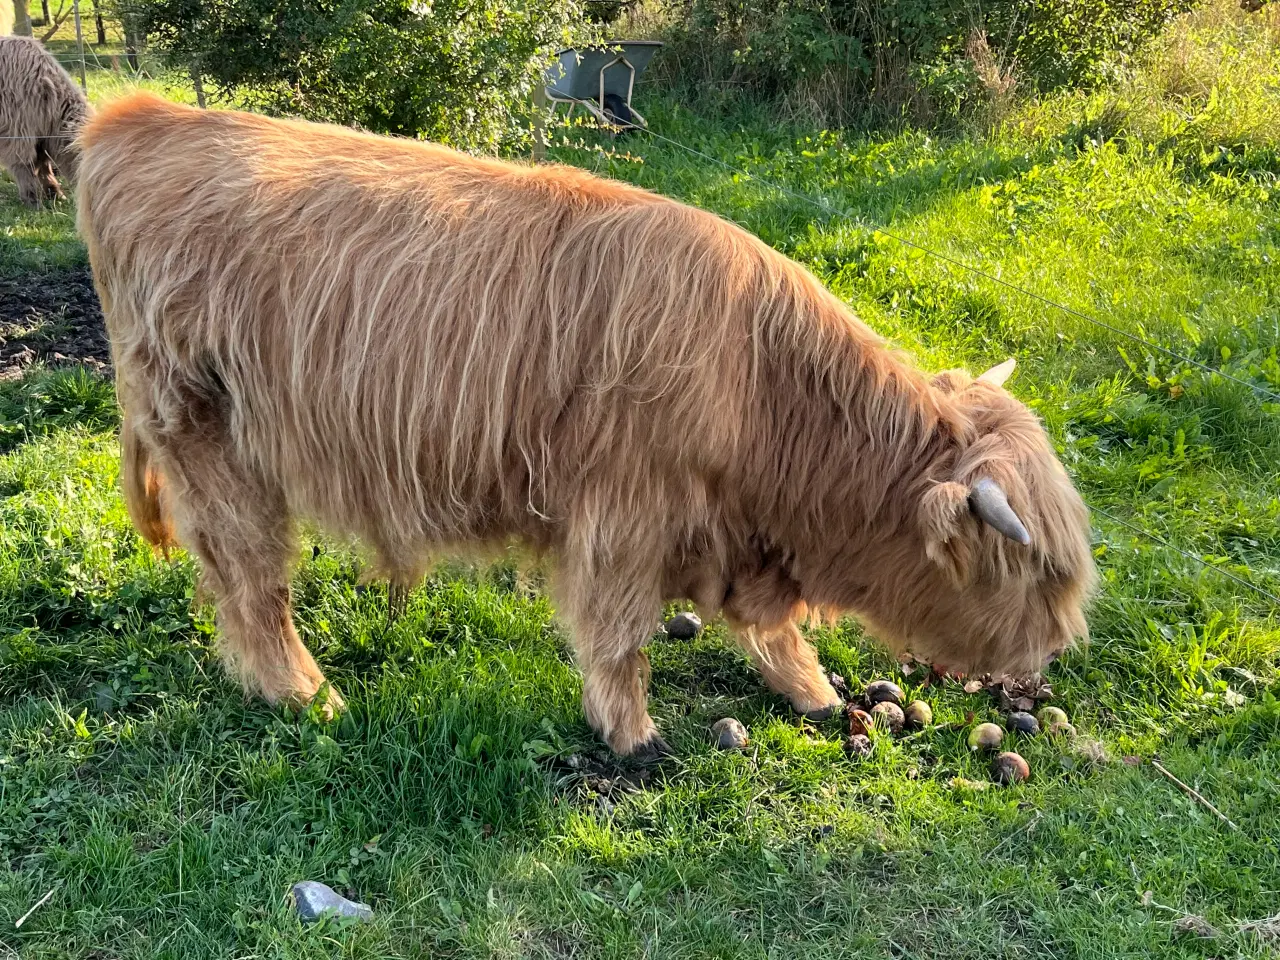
x: 41, y: 110
x: 424, y: 349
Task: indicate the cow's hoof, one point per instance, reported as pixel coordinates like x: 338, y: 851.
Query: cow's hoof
x: 652, y: 750
x: 325, y: 700
x: 824, y: 713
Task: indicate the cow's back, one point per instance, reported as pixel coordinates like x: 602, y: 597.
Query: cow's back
x: 418, y: 344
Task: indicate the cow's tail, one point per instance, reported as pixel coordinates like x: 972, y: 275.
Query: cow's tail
x: 143, y: 487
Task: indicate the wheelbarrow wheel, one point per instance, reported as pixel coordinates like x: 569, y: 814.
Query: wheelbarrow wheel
x: 616, y: 109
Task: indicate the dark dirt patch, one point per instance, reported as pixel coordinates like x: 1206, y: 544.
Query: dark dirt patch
x: 598, y: 774
x: 52, y: 318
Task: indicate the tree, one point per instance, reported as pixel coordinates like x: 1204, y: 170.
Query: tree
x: 53, y: 21
x: 458, y: 71
x: 21, y: 18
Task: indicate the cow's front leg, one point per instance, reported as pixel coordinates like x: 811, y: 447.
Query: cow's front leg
x: 790, y: 667
x: 610, y: 615
x: 762, y: 606
x: 615, y: 676
x: 615, y: 697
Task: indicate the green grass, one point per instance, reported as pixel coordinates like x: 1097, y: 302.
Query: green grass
x: 169, y: 816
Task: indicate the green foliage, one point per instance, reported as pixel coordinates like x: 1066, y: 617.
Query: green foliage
x: 46, y: 401
x: 1203, y: 96
x: 904, y: 52
x: 457, y: 71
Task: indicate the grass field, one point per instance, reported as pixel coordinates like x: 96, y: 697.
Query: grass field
x: 168, y: 816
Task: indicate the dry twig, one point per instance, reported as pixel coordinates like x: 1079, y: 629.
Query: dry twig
x: 1266, y: 930
x: 1195, y: 795
x: 17, y: 925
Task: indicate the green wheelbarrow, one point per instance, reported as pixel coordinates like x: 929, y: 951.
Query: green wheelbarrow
x: 601, y: 79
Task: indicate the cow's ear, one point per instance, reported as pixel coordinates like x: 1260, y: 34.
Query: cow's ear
x: 943, y: 515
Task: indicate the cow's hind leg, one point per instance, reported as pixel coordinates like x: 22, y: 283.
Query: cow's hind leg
x: 239, y: 528
x: 790, y: 667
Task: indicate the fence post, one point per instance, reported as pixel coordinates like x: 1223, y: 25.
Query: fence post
x: 132, y: 42
x: 80, y: 45
x: 539, y: 123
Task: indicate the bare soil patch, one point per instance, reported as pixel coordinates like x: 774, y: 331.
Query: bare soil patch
x: 51, y: 318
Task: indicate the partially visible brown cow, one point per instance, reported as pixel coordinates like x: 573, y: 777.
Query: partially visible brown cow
x: 41, y: 110
x: 428, y: 350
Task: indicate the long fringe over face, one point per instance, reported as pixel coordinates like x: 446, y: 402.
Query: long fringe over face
x: 427, y: 350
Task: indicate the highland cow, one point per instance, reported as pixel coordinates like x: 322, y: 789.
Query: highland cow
x: 426, y: 350
x: 41, y: 111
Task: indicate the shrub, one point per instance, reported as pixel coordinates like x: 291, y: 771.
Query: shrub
x: 841, y: 55
x: 457, y: 71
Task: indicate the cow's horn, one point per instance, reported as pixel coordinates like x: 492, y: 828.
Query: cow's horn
x: 991, y: 506
x: 998, y: 374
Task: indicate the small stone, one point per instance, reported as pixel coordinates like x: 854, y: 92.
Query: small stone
x: 858, y: 745
x: 985, y: 736
x: 1009, y: 768
x: 313, y: 900
x: 888, y: 714
x: 1022, y: 722
x: 918, y: 715
x: 1048, y: 716
x: 882, y: 691
x: 729, y: 734
x: 684, y: 626
x: 859, y: 720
